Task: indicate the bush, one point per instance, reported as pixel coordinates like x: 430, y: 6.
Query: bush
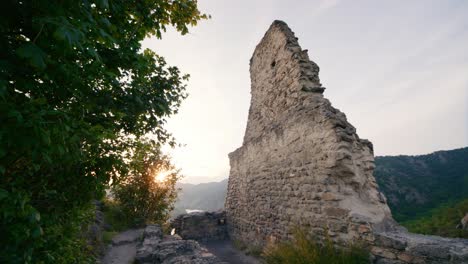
x: 443, y: 221
x: 107, y: 236
x: 114, y: 216
x: 141, y: 196
x: 307, y: 250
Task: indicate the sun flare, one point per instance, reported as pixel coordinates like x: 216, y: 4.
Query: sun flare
x: 161, y: 176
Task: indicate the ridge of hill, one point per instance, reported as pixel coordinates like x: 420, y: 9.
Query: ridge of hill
x: 415, y: 185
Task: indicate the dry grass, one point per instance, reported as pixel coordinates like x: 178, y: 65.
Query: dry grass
x: 306, y: 250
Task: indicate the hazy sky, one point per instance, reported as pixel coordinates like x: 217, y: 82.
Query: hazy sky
x: 397, y: 69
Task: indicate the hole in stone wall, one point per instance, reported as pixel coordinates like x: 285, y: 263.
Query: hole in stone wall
x: 273, y: 64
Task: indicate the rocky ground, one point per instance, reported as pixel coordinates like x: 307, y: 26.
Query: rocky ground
x: 226, y: 252
x: 123, y: 247
x: 151, y: 246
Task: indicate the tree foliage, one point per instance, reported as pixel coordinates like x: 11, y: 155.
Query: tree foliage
x: 78, y: 96
x: 442, y: 221
x: 142, y: 197
x: 415, y: 185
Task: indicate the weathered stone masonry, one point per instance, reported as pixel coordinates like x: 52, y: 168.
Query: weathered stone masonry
x: 302, y: 164
x: 301, y: 161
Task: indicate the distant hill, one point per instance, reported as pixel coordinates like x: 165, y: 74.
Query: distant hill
x: 204, y: 196
x: 415, y: 185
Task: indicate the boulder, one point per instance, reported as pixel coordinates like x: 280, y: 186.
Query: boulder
x: 156, y: 248
x: 201, y: 226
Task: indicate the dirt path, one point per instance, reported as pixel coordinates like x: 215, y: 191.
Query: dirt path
x: 123, y: 248
x: 226, y: 252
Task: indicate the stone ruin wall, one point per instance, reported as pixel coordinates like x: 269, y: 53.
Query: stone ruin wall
x: 301, y: 161
x: 201, y: 226
x: 302, y: 164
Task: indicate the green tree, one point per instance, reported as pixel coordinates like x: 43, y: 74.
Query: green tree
x: 78, y: 96
x: 441, y: 221
x: 142, y: 196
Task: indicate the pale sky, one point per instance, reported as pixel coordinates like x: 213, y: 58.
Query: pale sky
x: 397, y: 69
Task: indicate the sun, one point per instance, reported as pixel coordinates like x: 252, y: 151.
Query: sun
x: 161, y: 176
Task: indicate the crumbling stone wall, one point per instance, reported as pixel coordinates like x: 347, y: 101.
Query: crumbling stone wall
x: 201, y: 226
x: 301, y: 161
x: 302, y: 164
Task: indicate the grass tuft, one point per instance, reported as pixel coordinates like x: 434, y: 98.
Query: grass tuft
x: 306, y: 250
x: 107, y: 236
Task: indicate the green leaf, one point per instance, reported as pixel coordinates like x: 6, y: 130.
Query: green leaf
x: 37, y: 216
x: 17, y: 115
x: 68, y: 34
x: 106, y: 22
x: 103, y: 4
x: 3, y: 194
x: 2, y: 154
x: 94, y: 53
x: 3, y: 88
x: 37, y: 232
x: 33, y: 53
x: 106, y: 35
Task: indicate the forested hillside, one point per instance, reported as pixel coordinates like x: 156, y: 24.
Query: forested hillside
x: 204, y: 196
x: 416, y: 184
x: 443, y: 221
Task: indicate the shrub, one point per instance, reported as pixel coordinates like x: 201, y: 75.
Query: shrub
x: 107, y: 236
x: 307, y: 250
x: 141, y: 196
x: 442, y: 221
x: 114, y: 216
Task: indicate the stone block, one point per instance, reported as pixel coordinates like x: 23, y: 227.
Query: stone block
x: 382, y: 252
x: 405, y: 257
x: 390, y: 241
x: 201, y: 226
x: 336, y: 212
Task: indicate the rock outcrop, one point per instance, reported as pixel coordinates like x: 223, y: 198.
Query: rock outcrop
x: 201, y: 226
x: 400, y: 247
x: 122, y: 250
x: 302, y: 164
x: 157, y: 248
x: 95, y: 230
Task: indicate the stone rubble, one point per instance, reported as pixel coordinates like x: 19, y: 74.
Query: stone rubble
x: 201, y: 226
x: 122, y: 249
x: 95, y: 230
x: 156, y: 248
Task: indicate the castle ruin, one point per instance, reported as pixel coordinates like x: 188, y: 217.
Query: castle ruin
x: 302, y: 164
